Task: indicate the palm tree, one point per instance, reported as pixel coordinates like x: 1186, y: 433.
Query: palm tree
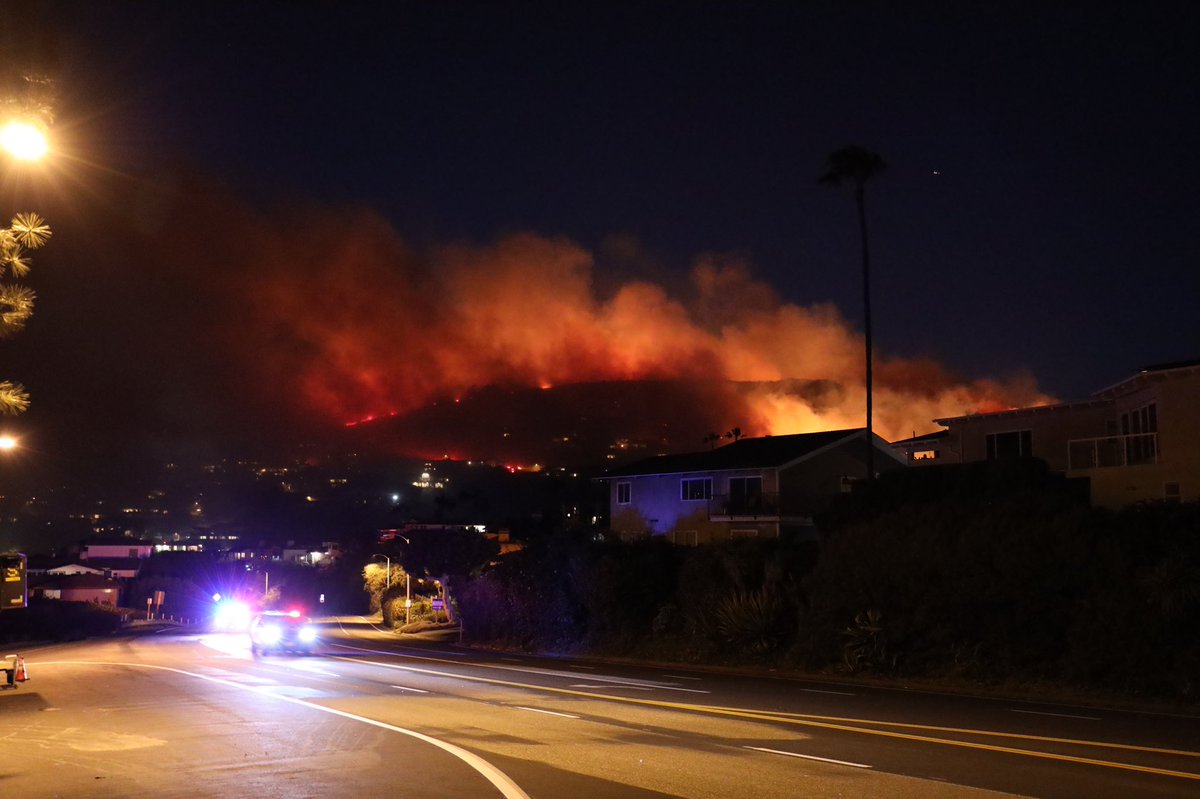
x: 856, y: 165
x: 27, y: 232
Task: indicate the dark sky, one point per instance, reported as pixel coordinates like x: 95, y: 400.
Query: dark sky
x: 1039, y: 212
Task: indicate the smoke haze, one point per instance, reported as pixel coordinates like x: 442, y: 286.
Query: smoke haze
x: 181, y: 314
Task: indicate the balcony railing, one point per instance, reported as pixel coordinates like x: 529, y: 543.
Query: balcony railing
x: 1099, y: 453
x: 754, y: 506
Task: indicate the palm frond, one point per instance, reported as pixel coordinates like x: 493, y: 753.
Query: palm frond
x: 16, y: 306
x: 30, y: 230
x: 851, y: 164
x: 14, y: 398
x: 17, y: 262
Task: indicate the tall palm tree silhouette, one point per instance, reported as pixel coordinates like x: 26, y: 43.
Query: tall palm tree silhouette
x: 854, y: 166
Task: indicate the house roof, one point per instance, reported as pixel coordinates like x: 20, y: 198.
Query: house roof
x: 1027, y: 410
x: 69, y: 581
x: 1102, y: 397
x: 746, y: 453
x: 1147, y: 372
x: 75, y: 567
x: 922, y: 439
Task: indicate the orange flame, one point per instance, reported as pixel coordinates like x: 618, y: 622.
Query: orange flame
x: 360, y: 326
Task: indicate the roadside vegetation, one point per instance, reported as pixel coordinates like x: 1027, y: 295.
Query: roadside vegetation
x: 970, y: 576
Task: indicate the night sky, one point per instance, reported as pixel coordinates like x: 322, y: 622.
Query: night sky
x: 1037, y: 222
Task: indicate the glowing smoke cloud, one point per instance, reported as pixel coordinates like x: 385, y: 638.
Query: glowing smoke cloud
x: 359, y: 325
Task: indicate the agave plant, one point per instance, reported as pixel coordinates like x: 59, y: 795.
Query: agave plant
x: 865, y: 645
x: 751, y: 620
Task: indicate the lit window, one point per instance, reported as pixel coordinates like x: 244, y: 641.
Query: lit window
x: 925, y: 455
x: 623, y: 493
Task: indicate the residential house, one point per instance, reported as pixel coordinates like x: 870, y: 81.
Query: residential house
x: 1136, y: 440
x: 78, y: 588
x: 73, y: 567
x: 755, y: 487
x: 116, y: 548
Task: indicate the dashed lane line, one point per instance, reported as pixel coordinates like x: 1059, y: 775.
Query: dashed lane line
x: 850, y: 725
x: 809, y: 757
x: 547, y: 712
x: 1056, y: 715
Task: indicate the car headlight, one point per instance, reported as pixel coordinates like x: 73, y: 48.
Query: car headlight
x: 270, y: 634
x: 307, y: 634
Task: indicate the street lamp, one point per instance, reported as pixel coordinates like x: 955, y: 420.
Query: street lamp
x: 7, y: 443
x: 23, y: 140
x: 407, y: 583
x: 407, y: 588
x: 389, y: 569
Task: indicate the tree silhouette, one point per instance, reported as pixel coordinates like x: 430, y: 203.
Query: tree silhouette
x: 27, y: 99
x: 856, y: 165
x: 735, y: 433
x: 27, y: 232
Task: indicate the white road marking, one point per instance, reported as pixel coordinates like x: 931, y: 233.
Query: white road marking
x: 1056, y: 715
x: 307, y: 669
x: 809, y: 757
x: 406, y: 688
x: 610, y: 685
x: 547, y: 712
x: 501, y: 781
x: 682, y: 677
x: 580, y: 666
x: 819, y: 691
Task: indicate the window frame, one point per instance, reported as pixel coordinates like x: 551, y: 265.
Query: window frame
x: 706, y: 490
x: 1024, y: 444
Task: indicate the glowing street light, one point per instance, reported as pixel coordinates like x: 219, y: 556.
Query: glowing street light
x: 23, y: 140
x: 388, y: 584
x: 7, y: 443
x: 407, y: 582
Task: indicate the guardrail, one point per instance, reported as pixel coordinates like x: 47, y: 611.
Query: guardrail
x: 1111, y: 451
x: 754, y: 506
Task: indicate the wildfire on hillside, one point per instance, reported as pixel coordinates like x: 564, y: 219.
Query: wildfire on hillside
x: 370, y: 329
x: 331, y: 314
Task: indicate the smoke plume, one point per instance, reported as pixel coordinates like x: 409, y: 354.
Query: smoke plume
x: 355, y: 324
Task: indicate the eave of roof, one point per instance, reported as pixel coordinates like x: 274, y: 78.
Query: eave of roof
x: 767, y: 452
x: 921, y: 439
x: 1032, y: 409
x: 1120, y: 387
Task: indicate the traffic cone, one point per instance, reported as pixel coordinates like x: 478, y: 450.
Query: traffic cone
x: 22, y: 675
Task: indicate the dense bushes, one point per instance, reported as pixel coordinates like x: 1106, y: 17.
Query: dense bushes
x: 1014, y: 586
x: 51, y: 620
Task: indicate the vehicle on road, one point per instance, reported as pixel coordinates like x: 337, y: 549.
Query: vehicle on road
x: 279, y: 631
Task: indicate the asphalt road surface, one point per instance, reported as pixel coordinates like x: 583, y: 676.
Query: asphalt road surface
x: 190, y: 714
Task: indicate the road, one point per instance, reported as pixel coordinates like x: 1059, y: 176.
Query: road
x: 179, y: 714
